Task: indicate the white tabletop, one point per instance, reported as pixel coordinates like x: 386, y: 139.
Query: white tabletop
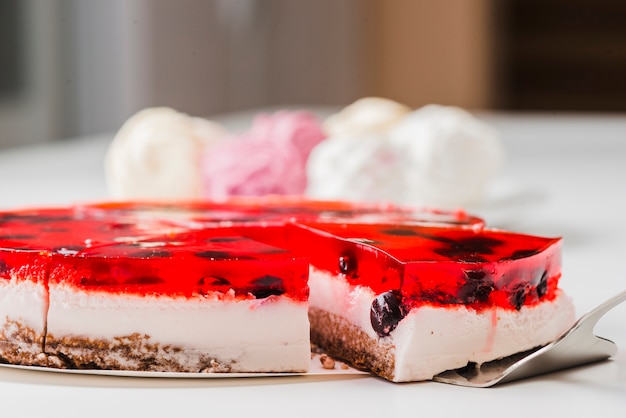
x: 566, y: 176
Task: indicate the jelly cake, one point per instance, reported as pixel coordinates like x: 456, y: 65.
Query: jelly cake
x: 410, y: 301
x: 237, y: 286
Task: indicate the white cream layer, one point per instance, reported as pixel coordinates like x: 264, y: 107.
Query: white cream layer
x: 430, y: 340
x: 270, y: 334
x: 23, y: 302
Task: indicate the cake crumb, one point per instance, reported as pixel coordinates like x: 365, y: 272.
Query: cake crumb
x: 344, y: 366
x: 327, y: 362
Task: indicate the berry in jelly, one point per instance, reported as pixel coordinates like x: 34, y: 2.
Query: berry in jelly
x: 348, y: 264
x: 386, y: 312
x: 477, y: 287
x: 267, y: 286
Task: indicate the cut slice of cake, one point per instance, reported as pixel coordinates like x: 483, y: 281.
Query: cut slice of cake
x: 409, y: 302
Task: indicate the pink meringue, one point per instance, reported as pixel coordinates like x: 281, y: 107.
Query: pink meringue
x: 268, y: 159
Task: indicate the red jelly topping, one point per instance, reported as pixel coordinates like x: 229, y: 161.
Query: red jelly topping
x: 435, y: 265
x: 98, y: 251
x: 262, y: 247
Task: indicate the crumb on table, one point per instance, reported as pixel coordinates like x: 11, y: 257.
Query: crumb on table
x: 327, y: 362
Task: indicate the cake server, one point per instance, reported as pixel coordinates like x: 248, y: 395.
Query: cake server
x: 576, y: 347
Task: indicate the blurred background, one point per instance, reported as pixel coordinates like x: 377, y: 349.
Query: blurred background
x: 73, y: 68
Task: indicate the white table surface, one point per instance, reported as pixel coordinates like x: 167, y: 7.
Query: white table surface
x: 566, y: 176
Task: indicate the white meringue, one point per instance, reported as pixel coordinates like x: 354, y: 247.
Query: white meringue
x: 157, y: 154
x: 365, y: 116
x: 448, y: 156
x: 434, y: 156
x: 357, y: 168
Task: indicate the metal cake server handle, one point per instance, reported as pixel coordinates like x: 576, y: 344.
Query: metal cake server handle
x: 576, y: 347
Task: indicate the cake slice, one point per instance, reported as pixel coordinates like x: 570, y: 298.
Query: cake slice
x: 408, y: 302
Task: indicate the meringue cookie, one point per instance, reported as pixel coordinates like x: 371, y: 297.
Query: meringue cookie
x: 435, y: 156
x: 268, y: 159
x: 367, y: 115
x: 449, y: 156
x: 356, y: 168
x: 156, y: 154
x: 297, y: 128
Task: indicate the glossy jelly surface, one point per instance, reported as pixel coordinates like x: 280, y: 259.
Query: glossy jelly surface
x: 143, y: 255
x: 262, y: 247
x: 435, y: 265
x: 278, y: 210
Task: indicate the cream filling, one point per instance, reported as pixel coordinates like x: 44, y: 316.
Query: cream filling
x: 25, y: 303
x: 255, y: 335
x: 430, y: 340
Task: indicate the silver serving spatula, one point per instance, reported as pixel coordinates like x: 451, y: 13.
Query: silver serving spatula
x: 576, y: 347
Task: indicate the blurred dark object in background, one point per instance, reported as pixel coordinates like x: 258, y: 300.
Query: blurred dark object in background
x: 561, y: 55
x: 11, y: 80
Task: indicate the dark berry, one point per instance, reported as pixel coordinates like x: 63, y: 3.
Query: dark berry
x: 98, y: 281
x: 386, y: 312
x: 223, y: 239
x: 3, y: 267
x: 144, y: 280
x: 347, y: 264
x: 16, y: 237
x: 218, y: 220
x: 118, y: 226
x: 521, y: 254
x: 155, y: 253
x: 347, y: 213
x: 7, y: 217
x: 214, y: 255
x: 266, y: 286
x: 439, y: 297
x: 477, y: 287
x: 212, y: 283
x: 55, y: 229
x: 469, y: 249
x: 400, y: 232
x: 542, y: 287
x: 41, y: 219
x: 518, y: 297
x: 474, y: 275
x: 483, y: 245
x: 460, y: 254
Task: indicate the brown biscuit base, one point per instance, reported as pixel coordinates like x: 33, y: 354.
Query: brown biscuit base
x: 340, y: 338
x: 21, y: 345
x: 129, y: 353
